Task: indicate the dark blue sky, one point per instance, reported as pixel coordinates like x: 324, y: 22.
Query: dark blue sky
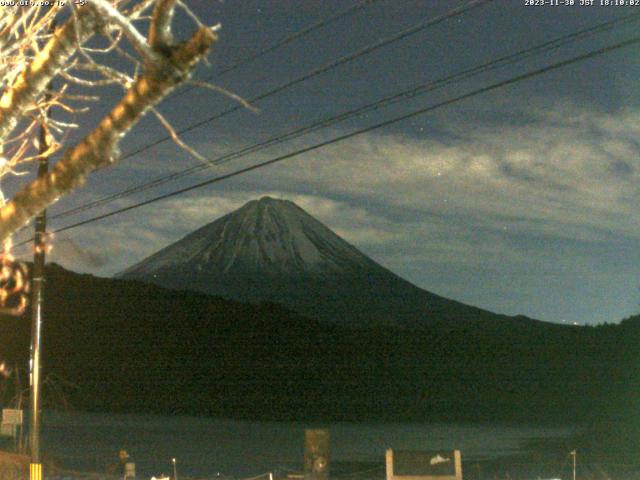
x: 522, y: 200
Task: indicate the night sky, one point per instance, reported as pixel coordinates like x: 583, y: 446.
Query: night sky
x: 522, y: 200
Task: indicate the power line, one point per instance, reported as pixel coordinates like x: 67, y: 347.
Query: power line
x: 389, y: 100
x: 300, y: 33
x: 325, y: 68
x: 284, y: 41
x: 494, y: 86
x: 280, y: 43
x: 342, y: 60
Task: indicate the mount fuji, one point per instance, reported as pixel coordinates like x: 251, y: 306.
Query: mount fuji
x: 271, y: 250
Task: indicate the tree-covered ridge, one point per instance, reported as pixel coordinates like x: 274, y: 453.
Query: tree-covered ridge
x: 130, y: 346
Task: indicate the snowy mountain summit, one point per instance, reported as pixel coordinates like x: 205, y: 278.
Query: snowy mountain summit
x: 271, y: 250
x: 266, y: 236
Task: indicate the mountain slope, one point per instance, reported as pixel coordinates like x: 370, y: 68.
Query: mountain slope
x: 272, y: 250
x: 266, y: 236
x: 131, y: 346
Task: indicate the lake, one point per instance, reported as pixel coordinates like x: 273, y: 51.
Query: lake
x: 205, y: 446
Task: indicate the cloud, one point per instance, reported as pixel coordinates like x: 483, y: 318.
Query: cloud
x: 581, y: 174
x: 568, y: 174
x: 555, y: 193
x: 66, y: 248
x: 140, y: 233
x: 519, y: 195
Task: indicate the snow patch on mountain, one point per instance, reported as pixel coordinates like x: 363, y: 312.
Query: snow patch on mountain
x: 271, y: 250
x: 268, y: 236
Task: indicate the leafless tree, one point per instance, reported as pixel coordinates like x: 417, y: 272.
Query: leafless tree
x: 76, y: 57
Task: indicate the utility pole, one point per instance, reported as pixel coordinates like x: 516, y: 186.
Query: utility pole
x: 37, y: 300
x: 573, y: 454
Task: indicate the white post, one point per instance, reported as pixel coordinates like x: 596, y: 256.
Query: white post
x: 389, y: 462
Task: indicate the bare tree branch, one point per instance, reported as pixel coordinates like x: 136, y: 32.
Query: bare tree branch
x: 50, y: 61
x: 245, y: 103
x: 160, y: 35
x: 113, y: 16
x: 177, y: 140
x: 100, y: 147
